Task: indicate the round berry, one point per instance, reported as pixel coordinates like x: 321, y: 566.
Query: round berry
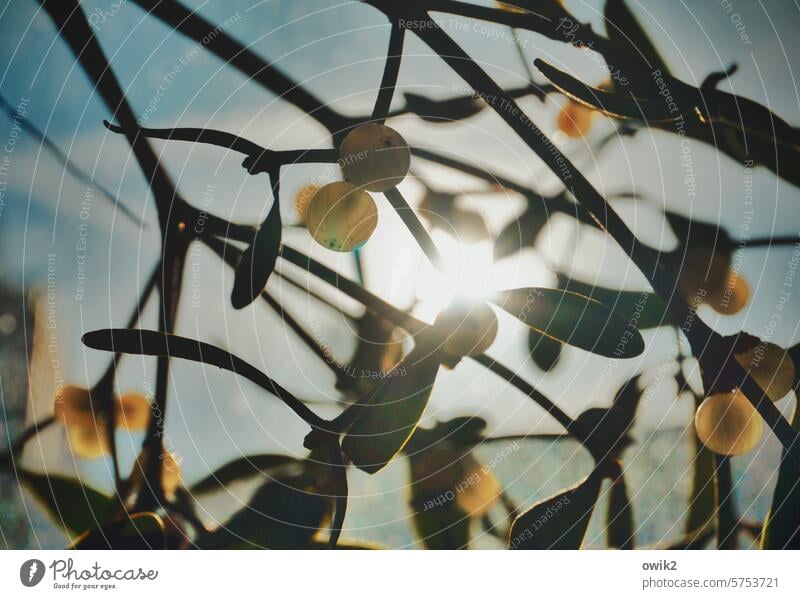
x: 341, y: 217
x: 375, y: 157
x: 728, y: 424
x: 468, y: 329
x: 574, y: 119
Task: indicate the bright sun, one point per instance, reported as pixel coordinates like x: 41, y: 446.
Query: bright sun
x: 468, y: 269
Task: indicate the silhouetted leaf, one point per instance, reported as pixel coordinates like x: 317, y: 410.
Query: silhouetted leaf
x: 283, y: 514
x: 243, y: 468
x: 625, y: 30
x: 258, y: 260
x: 545, y: 352
x: 392, y: 414
x: 71, y: 504
x: 521, y: 232
x: 606, y: 430
x: 574, y: 319
x: 442, y: 527
x: 145, y: 530
x: 619, y: 518
x: 642, y: 307
x: 438, y: 471
x: 618, y: 105
x: 559, y: 522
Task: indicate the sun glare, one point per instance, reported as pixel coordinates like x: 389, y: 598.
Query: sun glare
x: 467, y: 274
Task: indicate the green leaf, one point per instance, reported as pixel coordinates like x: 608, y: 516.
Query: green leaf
x: 624, y: 30
x: 437, y: 471
x: 443, y: 527
x: 522, y: 231
x: 642, y: 307
x: 283, y: 514
x: 574, y: 319
x: 391, y: 416
x: 545, y: 352
x: 72, y: 505
x: 144, y: 530
x: 258, y: 260
x: 619, y: 518
x: 242, y: 468
x: 559, y: 522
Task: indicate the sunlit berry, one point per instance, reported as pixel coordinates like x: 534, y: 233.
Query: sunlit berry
x: 91, y: 441
x: 479, y: 491
x: 132, y: 412
x: 574, y: 119
x: 375, y: 157
x: 170, y: 474
x: 87, y: 430
x: 468, y: 329
x: 771, y: 367
x: 341, y: 217
x: 728, y: 424
x: 73, y: 406
x: 731, y: 296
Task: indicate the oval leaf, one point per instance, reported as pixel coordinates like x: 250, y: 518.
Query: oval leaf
x: 643, y: 307
x: 144, y: 530
x: 258, y: 260
x: 545, y: 352
x: 72, y: 505
x: 392, y: 414
x: 281, y: 515
x: 559, y: 522
x: 242, y: 468
x: 574, y: 319
x: 521, y: 232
